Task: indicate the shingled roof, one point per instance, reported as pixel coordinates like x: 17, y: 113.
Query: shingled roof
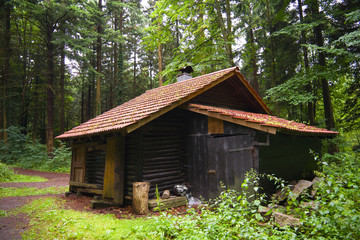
x: 156, y: 102
x: 263, y: 122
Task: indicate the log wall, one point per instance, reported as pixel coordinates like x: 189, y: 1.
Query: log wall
x: 155, y: 153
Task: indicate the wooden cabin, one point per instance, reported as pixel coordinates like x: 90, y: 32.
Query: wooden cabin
x: 200, y: 131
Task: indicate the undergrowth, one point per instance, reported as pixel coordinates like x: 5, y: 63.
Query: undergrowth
x: 50, y: 220
x: 21, y: 151
x: 334, y: 212
x: 7, y: 175
x: 29, y: 191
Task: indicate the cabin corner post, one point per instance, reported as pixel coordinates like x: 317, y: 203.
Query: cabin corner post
x: 119, y: 172
x: 114, y: 169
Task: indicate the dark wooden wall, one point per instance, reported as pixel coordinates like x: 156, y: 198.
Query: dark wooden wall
x: 95, y: 166
x: 289, y: 157
x: 211, y: 159
x: 155, y: 153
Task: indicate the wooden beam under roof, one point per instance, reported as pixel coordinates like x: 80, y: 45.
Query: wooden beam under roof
x: 242, y: 122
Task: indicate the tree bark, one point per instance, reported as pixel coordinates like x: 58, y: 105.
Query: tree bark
x: 141, y: 197
x: 303, y: 40
x: 62, y: 90
x: 255, y: 82
x: 6, y: 72
x: 226, y: 30
x: 50, y: 92
x: 134, y: 70
x: 115, y: 74
x: 328, y: 110
x: 98, y: 65
x: 160, y: 64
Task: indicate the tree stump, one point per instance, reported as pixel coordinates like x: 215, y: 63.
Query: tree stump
x: 141, y: 197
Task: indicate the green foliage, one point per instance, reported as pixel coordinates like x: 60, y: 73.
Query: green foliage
x: 6, y: 173
x: 333, y: 214
x: 30, y: 191
x: 22, y: 152
x: 51, y: 221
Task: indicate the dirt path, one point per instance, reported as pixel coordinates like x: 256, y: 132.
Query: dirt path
x: 12, y: 227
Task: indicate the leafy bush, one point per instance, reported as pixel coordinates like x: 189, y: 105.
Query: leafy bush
x: 6, y: 173
x: 21, y: 151
x: 333, y: 214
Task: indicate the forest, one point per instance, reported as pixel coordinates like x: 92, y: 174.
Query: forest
x: 64, y: 62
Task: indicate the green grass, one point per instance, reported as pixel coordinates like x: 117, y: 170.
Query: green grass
x: 29, y: 191
x: 51, y: 221
x: 24, y: 178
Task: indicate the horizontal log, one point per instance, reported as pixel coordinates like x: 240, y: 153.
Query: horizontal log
x: 161, y: 174
x: 86, y: 185
x: 159, y: 180
x: 162, y: 164
x: 167, y: 203
x: 155, y: 159
x: 160, y: 169
x: 93, y: 191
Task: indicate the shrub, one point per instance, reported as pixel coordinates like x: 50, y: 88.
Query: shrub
x: 6, y: 173
x: 21, y: 151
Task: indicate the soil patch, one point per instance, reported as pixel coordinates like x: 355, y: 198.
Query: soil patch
x: 82, y: 203
x: 54, y: 179
x: 13, y: 226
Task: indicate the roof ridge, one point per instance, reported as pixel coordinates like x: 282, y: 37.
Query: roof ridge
x: 194, y: 78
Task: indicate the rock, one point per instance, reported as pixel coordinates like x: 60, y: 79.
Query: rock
x: 300, y: 187
x: 286, y: 220
x: 166, y: 194
x: 282, y: 195
x: 314, y: 186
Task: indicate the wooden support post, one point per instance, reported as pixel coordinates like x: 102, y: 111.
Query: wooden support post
x: 119, y: 172
x: 141, y: 197
x: 114, y: 170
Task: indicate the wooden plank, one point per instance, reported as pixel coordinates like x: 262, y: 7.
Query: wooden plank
x: 93, y: 191
x: 119, y: 171
x: 78, y: 163
x: 86, y: 185
x: 109, y: 168
x: 215, y: 126
x: 167, y: 203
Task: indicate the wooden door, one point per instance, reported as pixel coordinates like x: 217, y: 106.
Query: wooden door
x: 229, y: 158
x: 78, y: 164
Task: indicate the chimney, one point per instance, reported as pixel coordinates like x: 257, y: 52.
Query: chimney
x: 185, y: 73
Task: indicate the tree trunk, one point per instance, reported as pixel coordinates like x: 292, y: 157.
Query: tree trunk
x: 328, y: 110
x: 6, y: 73
x: 255, y: 82
x: 160, y: 65
x: 226, y: 31
x: 272, y: 47
x: 62, y: 90
x: 98, y: 65
x: 308, y: 87
x: 36, y: 105
x: 50, y: 92
x: 134, y: 71
x: 115, y: 73
x: 141, y: 197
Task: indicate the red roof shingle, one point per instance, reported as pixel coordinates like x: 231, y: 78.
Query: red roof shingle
x: 153, y: 103
x: 145, y: 105
x: 267, y: 120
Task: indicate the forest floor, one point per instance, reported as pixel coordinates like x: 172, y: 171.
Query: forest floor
x: 11, y: 227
